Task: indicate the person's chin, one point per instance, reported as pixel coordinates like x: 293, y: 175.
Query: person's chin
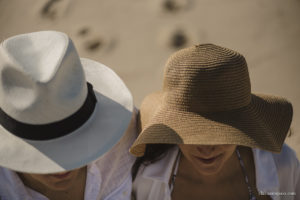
x: 208, y: 171
x: 209, y: 166
x: 62, y: 181
x: 62, y: 185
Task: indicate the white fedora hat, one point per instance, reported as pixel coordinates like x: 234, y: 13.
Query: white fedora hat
x: 58, y: 111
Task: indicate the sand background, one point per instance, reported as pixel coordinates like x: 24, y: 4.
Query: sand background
x: 135, y: 37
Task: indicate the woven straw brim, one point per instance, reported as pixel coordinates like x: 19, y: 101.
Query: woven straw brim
x: 263, y: 124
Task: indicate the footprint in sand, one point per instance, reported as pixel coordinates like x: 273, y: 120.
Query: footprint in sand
x: 94, y: 42
x: 178, y: 39
x: 175, y: 5
x: 53, y: 9
x: 93, y: 45
x: 180, y: 36
x: 174, y: 37
x: 83, y: 31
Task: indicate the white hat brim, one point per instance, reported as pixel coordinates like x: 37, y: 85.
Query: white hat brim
x: 106, y: 126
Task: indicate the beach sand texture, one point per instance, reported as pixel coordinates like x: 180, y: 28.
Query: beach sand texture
x: 135, y: 37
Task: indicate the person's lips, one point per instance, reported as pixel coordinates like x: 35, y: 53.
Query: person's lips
x: 61, y: 175
x: 209, y: 160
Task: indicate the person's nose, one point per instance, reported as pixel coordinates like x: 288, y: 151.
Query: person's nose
x: 206, y: 151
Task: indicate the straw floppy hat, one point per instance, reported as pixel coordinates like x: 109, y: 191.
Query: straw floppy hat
x: 58, y: 111
x: 206, y: 99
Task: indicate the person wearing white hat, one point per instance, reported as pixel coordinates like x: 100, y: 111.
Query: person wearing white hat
x: 66, y: 123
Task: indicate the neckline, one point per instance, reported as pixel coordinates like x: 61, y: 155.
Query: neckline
x: 242, y: 165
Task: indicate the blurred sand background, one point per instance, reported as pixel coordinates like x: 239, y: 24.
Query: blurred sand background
x: 135, y: 37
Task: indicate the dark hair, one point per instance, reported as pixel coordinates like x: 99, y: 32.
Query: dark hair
x: 153, y: 153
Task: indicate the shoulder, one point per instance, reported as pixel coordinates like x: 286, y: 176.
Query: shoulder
x: 121, y: 192
x: 286, y: 165
x: 287, y: 158
x: 288, y: 168
x: 152, y: 180
x: 277, y: 170
x: 10, y: 185
x: 7, y: 178
x: 115, y: 165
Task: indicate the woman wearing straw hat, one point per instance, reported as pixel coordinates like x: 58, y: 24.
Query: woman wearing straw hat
x: 206, y: 136
x: 66, y: 123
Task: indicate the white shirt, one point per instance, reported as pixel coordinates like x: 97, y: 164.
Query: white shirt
x: 108, y: 178
x: 276, y: 175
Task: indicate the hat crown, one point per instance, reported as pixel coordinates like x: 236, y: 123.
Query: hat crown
x: 206, y: 78
x: 41, y: 76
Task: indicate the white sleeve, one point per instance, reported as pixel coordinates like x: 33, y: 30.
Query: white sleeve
x: 297, y: 184
x: 288, y: 170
